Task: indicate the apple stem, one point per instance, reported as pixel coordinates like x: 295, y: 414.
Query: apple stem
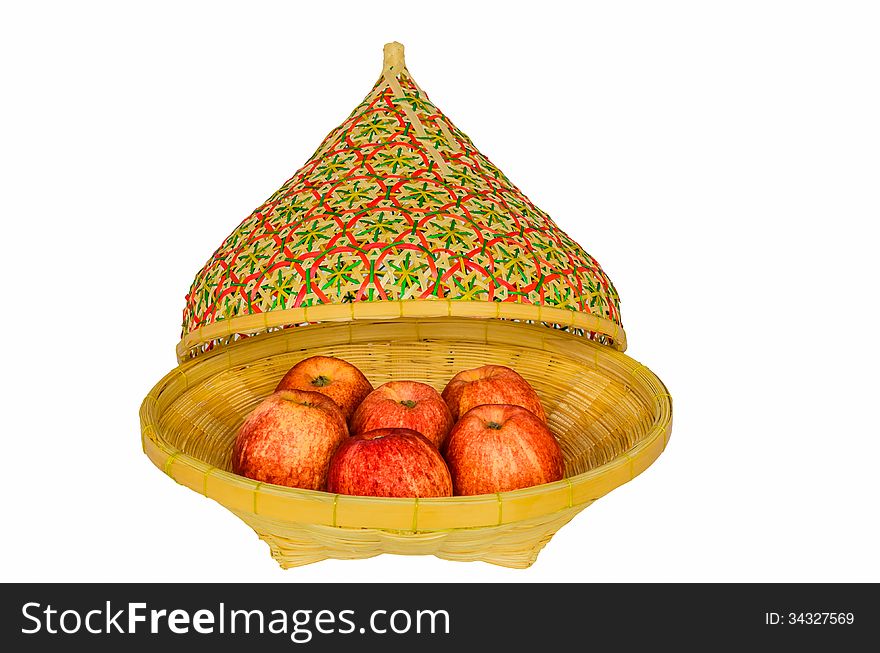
x: 321, y: 381
x: 495, y: 426
x: 409, y: 403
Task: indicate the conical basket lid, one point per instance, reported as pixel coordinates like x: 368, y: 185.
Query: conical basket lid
x: 397, y: 214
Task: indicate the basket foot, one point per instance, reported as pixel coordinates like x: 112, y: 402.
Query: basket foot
x: 515, y: 545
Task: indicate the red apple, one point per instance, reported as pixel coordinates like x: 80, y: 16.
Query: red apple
x: 289, y: 439
x: 407, y: 405
x: 490, y: 384
x: 338, y: 379
x: 389, y: 463
x: 496, y: 448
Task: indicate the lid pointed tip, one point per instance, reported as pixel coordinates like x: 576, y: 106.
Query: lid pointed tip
x: 393, y: 59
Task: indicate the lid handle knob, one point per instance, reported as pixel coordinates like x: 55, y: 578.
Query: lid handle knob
x: 393, y: 62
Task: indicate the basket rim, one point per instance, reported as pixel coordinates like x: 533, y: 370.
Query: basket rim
x: 241, y: 494
x: 257, y: 323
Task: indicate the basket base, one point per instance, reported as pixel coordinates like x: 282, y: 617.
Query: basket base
x: 515, y: 545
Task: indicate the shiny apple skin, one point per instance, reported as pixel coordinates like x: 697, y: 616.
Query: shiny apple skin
x: 289, y: 439
x: 490, y: 384
x: 404, y: 404
x: 389, y: 463
x: 498, y: 448
x: 338, y: 379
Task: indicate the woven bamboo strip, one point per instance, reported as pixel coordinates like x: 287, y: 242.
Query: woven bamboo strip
x: 393, y: 310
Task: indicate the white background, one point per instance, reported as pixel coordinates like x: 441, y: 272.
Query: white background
x: 721, y: 160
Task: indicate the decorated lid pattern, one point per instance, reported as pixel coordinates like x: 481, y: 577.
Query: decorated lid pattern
x: 397, y: 204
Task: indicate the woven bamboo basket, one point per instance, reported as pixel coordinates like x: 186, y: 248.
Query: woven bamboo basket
x: 400, y: 248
